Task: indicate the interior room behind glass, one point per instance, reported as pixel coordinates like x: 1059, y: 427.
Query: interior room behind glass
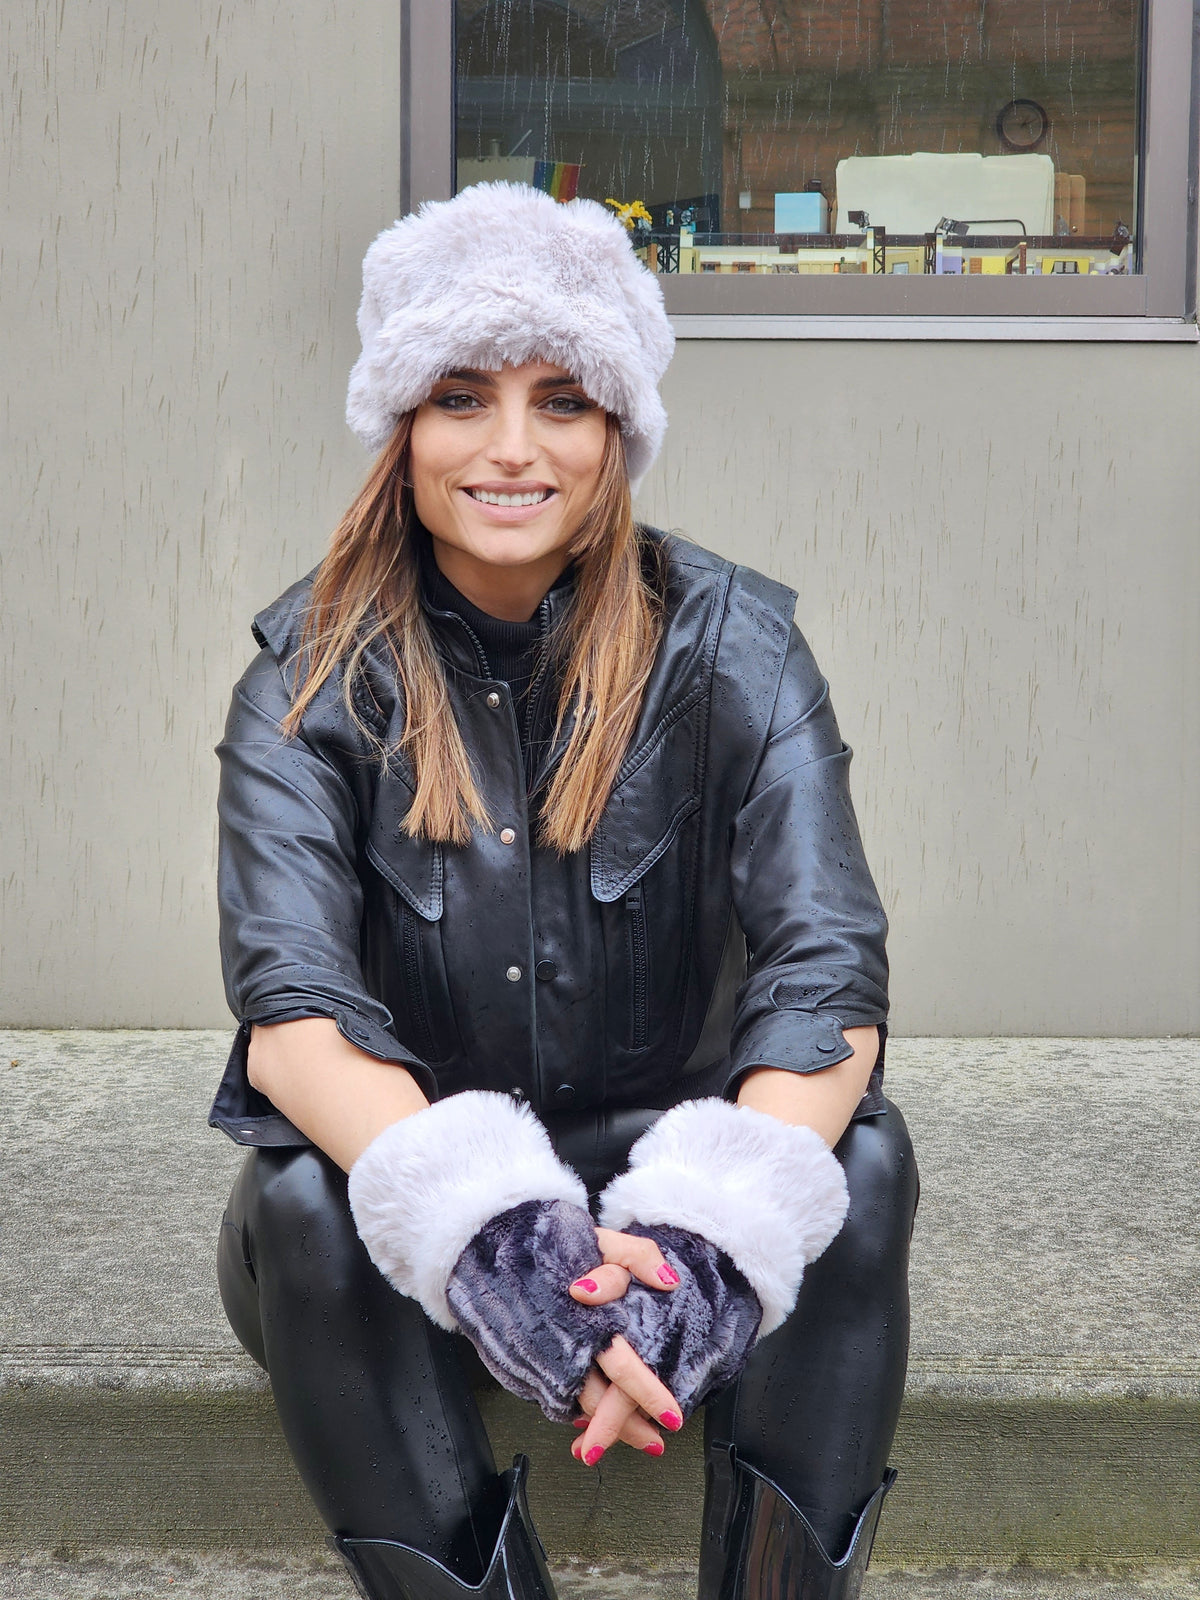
x: 755, y: 126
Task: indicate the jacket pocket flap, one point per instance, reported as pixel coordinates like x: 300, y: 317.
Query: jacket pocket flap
x: 413, y: 867
x: 647, y: 808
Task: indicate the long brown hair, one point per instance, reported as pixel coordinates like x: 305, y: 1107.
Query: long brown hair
x: 367, y: 589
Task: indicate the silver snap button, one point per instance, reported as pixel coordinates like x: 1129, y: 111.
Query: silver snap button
x: 507, y: 836
x: 518, y: 1094
x: 513, y: 974
x: 493, y: 699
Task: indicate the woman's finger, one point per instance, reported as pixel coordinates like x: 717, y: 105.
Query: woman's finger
x: 595, y: 1387
x: 600, y: 1285
x: 612, y: 1415
x: 626, y: 1370
x: 641, y: 1257
x: 637, y: 1433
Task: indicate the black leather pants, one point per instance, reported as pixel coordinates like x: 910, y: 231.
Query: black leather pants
x: 376, y: 1403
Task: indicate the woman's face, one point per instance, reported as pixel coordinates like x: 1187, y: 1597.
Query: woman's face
x: 504, y: 467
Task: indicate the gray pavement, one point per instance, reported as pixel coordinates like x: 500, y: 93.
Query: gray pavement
x: 1053, y: 1410
x: 117, y: 1575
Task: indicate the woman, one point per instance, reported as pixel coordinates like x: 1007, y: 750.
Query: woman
x: 540, y: 889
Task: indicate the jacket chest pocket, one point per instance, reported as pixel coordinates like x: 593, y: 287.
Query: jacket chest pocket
x: 642, y: 874
x: 413, y: 868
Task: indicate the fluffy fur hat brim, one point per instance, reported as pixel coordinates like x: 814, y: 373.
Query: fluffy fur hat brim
x: 503, y: 273
x: 770, y: 1195
x: 422, y: 1190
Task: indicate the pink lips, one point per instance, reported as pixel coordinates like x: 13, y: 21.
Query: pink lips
x: 507, y: 515
x: 511, y: 486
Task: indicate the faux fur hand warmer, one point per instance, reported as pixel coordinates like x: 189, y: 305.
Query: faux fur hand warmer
x: 697, y: 1337
x: 426, y: 1186
x: 509, y: 1293
x: 771, y: 1196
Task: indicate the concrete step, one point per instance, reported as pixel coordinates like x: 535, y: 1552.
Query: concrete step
x: 135, y: 1575
x: 1053, y: 1411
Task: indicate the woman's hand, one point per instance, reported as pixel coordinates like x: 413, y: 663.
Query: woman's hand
x: 617, y: 1399
x: 623, y: 1256
x: 621, y: 1391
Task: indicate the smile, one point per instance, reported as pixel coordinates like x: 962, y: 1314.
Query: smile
x: 488, y: 498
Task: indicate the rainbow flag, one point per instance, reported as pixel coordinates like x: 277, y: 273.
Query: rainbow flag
x: 559, y: 179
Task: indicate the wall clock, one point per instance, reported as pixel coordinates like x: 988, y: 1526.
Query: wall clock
x: 1022, y: 125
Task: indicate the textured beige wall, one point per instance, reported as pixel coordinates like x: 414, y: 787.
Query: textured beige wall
x: 996, y: 544
x: 997, y: 557
x: 189, y: 192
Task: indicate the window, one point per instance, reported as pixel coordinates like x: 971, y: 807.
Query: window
x: 837, y: 157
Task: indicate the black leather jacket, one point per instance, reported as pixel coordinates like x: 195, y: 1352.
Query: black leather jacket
x: 722, y: 917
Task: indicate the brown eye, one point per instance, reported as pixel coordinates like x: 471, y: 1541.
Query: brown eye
x: 568, y: 405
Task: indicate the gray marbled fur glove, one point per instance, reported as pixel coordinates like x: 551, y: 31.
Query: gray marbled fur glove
x: 508, y: 1292
x: 768, y: 1196
x: 696, y: 1337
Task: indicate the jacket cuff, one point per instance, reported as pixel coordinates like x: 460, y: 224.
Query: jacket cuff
x: 804, y: 1041
x: 249, y: 1118
x: 795, y: 1040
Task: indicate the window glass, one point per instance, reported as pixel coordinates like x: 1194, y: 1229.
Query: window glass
x: 819, y: 136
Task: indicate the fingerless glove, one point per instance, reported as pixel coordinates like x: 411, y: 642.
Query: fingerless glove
x: 424, y: 1188
x: 697, y: 1337
x: 466, y: 1208
x: 509, y: 1292
x: 771, y: 1196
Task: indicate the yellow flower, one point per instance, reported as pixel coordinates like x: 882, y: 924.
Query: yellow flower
x: 629, y: 211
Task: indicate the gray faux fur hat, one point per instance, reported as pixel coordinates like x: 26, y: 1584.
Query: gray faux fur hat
x: 503, y: 273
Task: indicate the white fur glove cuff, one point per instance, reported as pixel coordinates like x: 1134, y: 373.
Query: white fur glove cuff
x: 422, y: 1190
x: 770, y: 1195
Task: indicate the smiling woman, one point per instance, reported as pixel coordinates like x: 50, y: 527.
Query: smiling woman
x: 559, y: 968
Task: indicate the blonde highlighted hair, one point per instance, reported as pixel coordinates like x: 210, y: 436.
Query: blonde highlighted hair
x: 367, y: 589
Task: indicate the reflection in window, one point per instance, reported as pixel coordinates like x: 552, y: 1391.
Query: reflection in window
x: 898, y: 136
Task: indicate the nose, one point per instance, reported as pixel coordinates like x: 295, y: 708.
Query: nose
x: 512, y: 445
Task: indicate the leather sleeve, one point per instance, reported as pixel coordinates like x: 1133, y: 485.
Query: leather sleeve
x: 288, y: 883
x: 813, y: 921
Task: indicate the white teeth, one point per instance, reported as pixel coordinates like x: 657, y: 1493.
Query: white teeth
x: 490, y: 499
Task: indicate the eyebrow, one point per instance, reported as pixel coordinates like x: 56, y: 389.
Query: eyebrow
x: 488, y: 379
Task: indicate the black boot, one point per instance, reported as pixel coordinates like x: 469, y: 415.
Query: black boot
x: 758, y: 1546
x: 384, y: 1570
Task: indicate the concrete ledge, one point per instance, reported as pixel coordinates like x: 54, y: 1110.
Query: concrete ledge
x: 178, y: 1455
x: 134, y: 1575
x: 1053, y: 1410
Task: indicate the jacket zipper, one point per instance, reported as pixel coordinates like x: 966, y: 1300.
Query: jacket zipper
x: 411, y: 959
x: 533, y: 700
x: 636, y: 920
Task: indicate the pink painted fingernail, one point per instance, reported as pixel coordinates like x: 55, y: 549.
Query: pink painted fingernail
x: 671, y: 1419
x: 655, y: 1449
x: 575, y: 1448
x: 668, y: 1274
x: 588, y: 1285
x: 581, y: 1422
x: 594, y: 1455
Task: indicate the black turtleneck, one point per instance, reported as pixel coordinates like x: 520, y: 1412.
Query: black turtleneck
x: 511, y: 649
x: 512, y: 653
